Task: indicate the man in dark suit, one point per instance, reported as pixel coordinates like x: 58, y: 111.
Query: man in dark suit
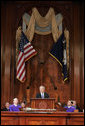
x: 42, y: 93
x: 6, y: 107
x: 76, y: 106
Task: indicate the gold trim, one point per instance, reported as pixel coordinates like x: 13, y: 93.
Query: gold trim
x: 55, y: 59
x: 20, y: 80
x: 62, y: 74
x: 65, y: 79
x: 59, y: 63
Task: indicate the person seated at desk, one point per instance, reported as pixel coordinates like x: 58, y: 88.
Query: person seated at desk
x: 42, y: 93
x: 15, y: 106
x: 69, y: 107
x: 22, y: 106
x: 76, y: 106
x: 6, y: 107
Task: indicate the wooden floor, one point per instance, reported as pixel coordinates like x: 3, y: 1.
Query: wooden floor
x: 29, y: 118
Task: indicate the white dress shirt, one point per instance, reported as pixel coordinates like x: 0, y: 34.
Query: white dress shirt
x: 42, y: 95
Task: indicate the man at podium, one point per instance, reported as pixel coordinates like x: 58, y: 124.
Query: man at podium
x: 42, y: 93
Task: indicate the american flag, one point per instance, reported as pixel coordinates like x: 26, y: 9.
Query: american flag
x: 26, y: 51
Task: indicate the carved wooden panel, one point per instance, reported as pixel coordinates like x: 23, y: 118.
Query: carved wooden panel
x: 9, y: 121
x: 43, y: 103
x: 46, y: 122
x: 75, y: 121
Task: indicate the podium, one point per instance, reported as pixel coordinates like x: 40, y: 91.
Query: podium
x: 39, y: 103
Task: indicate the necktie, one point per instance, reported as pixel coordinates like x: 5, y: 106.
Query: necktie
x: 42, y: 95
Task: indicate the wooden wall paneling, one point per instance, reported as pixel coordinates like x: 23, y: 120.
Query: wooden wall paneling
x: 12, y: 53
x: 7, y: 81
x: 77, y: 53
x: 3, y: 26
x: 82, y: 55
x: 7, y: 55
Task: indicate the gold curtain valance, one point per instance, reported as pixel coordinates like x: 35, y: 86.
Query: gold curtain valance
x: 42, y: 22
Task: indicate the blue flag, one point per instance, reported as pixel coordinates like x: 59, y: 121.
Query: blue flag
x: 58, y: 52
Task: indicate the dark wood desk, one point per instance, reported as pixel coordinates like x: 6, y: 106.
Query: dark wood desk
x: 57, y: 118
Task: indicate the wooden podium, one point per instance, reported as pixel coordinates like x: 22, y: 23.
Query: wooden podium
x: 38, y: 103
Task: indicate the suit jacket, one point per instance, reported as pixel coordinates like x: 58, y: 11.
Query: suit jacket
x: 4, y: 109
x: 45, y: 95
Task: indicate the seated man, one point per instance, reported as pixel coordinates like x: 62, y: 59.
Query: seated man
x: 6, y: 107
x: 42, y: 93
x: 22, y: 106
x: 69, y: 107
x: 76, y: 106
x: 15, y: 106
